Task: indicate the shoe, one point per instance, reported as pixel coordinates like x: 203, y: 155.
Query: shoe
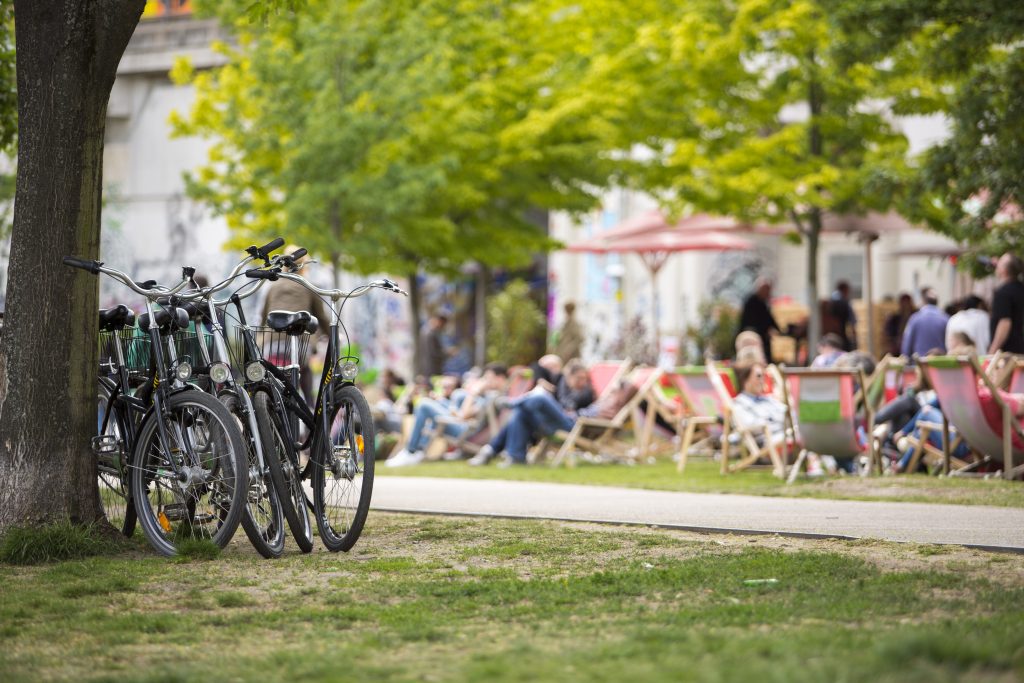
x: 482, y: 457
x: 508, y: 461
x: 404, y: 458
x: 453, y: 455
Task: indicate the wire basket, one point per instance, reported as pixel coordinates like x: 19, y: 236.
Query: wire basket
x: 138, y: 348
x: 275, y: 347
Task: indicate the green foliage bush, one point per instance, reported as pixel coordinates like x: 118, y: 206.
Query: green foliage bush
x: 515, y: 326
x: 715, y: 332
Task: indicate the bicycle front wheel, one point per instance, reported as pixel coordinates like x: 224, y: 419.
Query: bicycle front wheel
x: 196, y: 489
x: 263, y: 520
x: 342, y: 470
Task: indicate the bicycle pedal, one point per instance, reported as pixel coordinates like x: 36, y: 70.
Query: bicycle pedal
x: 105, y: 445
x: 175, y: 512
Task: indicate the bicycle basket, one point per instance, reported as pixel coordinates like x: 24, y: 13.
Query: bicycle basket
x: 275, y: 347
x: 136, y: 350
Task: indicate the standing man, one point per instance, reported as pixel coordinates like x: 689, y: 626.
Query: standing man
x: 1007, y: 319
x: 569, y: 343
x: 432, y: 351
x: 926, y: 329
x: 842, y: 311
x: 757, y: 316
x: 288, y: 295
x: 973, y: 322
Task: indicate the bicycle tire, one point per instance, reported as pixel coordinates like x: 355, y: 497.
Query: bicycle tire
x: 286, y: 477
x: 342, y: 475
x: 211, y: 506
x: 112, y: 476
x: 263, y: 518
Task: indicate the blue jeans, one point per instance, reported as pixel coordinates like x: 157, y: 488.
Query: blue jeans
x: 930, y: 413
x: 428, y: 410
x: 537, y: 413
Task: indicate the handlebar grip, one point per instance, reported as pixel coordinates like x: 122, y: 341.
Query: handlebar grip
x: 85, y: 264
x: 258, y: 274
x: 270, y: 246
x: 298, y: 253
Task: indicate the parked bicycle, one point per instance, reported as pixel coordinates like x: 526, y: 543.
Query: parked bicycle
x: 186, y: 473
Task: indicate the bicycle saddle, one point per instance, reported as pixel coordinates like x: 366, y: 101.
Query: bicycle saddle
x: 292, y: 323
x: 116, y: 318
x: 174, y: 318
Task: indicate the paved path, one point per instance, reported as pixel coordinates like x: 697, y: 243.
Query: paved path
x: 991, y: 527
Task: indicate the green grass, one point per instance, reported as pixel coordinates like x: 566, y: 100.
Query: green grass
x: 704, y: 477
x: 54, y: 542
x: 499, y: 600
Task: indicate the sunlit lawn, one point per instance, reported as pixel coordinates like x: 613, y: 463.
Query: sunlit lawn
x: 439, y: 599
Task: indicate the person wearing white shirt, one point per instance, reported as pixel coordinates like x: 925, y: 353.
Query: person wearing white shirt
x: 972, y: 321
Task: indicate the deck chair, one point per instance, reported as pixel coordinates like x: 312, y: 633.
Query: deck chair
x: 752, y: 446
x: 604, y: 437
x: 664, y: 402
x: 605, y: 375
x: 824, y: 414
x: 955, y: 380
x: 704, y: 409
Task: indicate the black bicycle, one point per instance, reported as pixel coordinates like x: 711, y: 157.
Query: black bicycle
x: 187, y: 469
x: 336, y: 458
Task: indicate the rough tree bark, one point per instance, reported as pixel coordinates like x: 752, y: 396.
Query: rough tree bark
x: 67, y: 57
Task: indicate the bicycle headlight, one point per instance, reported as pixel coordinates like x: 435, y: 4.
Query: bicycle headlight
x: 255, y: 372
x: 220, y: 373
x: 183, y: 371
x: 349, y: 370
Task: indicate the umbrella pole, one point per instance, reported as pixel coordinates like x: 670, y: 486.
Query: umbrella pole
x: 869, y: 292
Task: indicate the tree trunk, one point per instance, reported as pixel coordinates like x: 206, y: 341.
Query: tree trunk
x: 814, y: 322
x: 483, y: 279
x: 67, y: 57
x: 815, y: 101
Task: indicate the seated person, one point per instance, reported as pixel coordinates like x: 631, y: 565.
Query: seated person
x: 547, y: 370
x: 452, y: 415
x: 541, y: 413
x: 753, y: 409
x: 830, y: 348
x: 392, y: 404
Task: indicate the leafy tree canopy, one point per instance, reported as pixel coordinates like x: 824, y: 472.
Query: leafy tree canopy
x: 971, y: 51
x: 395, y: 134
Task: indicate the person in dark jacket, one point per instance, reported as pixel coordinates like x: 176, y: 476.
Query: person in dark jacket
x: 757, y: 316
x: 432, y: 350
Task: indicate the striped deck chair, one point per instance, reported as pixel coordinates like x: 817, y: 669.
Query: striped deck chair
x: 752, y: 446
x: 664, y: 402
x: 956, y: 381
x: 605, y: 375
x: 824, y: 413
x: 705, y: 408
x: 605, y: 436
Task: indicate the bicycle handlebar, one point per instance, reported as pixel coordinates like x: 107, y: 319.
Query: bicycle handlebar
x: 149, y: 288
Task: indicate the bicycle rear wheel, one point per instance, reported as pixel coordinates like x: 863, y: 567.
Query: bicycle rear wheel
x: 205, y: 500
x: 263, y: 519
x: 342, y: 470
x: 284, y: 472
x: 111, y: 465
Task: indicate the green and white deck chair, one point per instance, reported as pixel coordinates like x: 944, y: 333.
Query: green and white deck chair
x: 704, y: 405
x: 825, y: 415
x: 955, y: 380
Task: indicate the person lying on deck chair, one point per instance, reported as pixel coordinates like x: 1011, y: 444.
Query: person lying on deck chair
x: 541, y: 414
x: 753, y: 409
x: 454, y: 418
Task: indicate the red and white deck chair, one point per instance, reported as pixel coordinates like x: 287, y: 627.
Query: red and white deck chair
x: 823, y: 407
x: 956, y: 381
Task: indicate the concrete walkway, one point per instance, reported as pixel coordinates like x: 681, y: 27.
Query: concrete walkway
x: 982, y: 526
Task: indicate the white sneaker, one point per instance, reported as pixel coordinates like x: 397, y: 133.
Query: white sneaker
x: 404, y: 458
x: 482, y: 457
